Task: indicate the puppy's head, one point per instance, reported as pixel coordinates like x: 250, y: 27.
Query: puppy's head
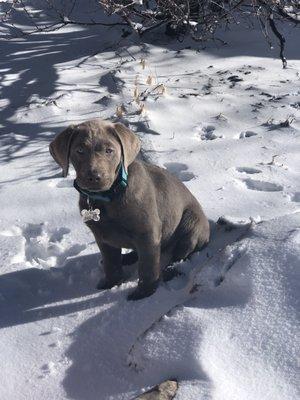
x: 96, y: 149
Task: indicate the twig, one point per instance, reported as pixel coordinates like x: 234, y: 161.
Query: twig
x: 280, y: 38
x: 67, y: 21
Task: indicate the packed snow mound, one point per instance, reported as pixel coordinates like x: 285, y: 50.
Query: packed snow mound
x: 240, y: 338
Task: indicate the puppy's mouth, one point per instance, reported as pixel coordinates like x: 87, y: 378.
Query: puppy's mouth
x: 101, y: 187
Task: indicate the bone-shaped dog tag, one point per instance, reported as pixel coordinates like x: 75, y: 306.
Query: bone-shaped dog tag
x: 90, y: 215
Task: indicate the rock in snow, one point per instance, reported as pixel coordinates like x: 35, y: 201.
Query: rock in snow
x: 164, y: 391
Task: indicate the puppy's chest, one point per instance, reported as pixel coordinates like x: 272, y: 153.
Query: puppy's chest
x: 111, y: 227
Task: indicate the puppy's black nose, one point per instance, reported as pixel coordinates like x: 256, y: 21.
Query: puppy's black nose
x: 94, y: 176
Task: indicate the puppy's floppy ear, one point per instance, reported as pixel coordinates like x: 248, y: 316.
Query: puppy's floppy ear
x: 60, y: 148
x: 130, y: 143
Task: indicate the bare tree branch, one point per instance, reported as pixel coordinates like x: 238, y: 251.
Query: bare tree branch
x: 197, y: 18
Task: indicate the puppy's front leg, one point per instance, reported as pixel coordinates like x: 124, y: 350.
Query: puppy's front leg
x: 112, y: 265
x: 148, y: 268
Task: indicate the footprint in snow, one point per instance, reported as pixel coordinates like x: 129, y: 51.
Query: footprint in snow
x: 179, y: 170
x: 262, y: 186
x: 248, y: 170
x: 247, y: 134
x: 49, y: 369
x: 45, y: 247
x: 208, y: 133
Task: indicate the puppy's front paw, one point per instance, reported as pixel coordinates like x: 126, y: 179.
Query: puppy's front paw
x: 143, y: 291
x: 105, y: 284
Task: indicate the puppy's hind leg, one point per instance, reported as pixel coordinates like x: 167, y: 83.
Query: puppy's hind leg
x: 192, y: 235
x: 167, y: 270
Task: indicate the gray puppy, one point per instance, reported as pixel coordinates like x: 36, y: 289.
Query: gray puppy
x: 142, y: 207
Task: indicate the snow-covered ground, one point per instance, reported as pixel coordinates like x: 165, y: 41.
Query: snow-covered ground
x: 225, y: 120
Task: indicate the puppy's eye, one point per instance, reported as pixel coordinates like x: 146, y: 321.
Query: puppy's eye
x: 109, y: 151
x: 79, y: 150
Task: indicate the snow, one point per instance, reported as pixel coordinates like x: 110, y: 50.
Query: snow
x: 225, y: 120
x: 249, y: 324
